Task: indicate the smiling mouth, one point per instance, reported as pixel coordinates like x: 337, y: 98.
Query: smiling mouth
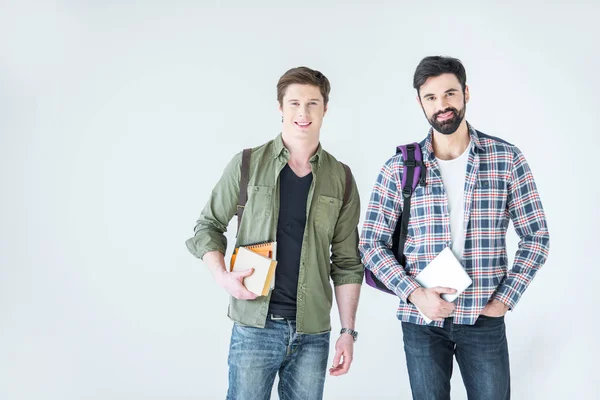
x: 445, y: 116
x: 303, y: 124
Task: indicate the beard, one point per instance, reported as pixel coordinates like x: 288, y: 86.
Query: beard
x: 449, y: 126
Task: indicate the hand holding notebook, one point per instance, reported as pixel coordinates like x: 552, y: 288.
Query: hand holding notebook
x: 246, y: 258
x: 444, y: 271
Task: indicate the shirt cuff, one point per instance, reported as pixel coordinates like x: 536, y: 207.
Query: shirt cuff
x: 350, y: 277
x: 200, y: 252
x: 507, y: 295
x: 405, y: 288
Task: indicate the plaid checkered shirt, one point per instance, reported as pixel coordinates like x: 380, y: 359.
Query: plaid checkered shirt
x: 498, y: 186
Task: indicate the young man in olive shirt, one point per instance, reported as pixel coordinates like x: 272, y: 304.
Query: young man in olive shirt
x: 296, y: 197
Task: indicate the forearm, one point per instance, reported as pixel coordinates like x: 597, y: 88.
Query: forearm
x: 215, y: 261
x: 347, y: 297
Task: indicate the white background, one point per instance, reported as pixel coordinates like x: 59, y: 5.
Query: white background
x: 117, y: 118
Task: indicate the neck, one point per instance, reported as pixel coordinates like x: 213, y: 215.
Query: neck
x: 301, y: 149
x: 449, y: 147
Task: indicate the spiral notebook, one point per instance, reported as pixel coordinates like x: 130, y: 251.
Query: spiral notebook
x: 261, y: 257
x: 267, y: 249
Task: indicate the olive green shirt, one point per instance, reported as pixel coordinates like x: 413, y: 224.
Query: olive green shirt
x: 330, y: 243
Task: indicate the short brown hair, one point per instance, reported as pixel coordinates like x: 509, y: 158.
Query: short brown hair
x: 303, y: 76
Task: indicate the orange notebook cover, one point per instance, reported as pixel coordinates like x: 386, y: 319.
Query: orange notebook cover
x: 264, y: 270
x: 265, y: 249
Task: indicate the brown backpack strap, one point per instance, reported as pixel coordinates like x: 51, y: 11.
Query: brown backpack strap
x: 244, y: 179
x: 348, y: 187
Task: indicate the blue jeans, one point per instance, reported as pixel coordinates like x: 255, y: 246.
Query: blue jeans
x: 256, y: 355
x: 481, y: 352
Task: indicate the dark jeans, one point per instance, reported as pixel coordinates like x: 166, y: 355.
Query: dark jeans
x: 256, y: 355
x: 481, y: 352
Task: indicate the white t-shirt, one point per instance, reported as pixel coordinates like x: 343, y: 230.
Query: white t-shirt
x: 454, y: 173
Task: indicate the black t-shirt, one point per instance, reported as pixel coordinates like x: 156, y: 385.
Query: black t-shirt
x: 293, y: 195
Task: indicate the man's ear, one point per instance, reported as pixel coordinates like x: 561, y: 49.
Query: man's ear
x: 419, y: 100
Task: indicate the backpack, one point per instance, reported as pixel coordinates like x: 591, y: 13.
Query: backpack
x: 414, y: 173
x: 245, y: 178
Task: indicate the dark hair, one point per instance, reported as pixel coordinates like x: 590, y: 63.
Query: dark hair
x: 436, y: 66
x: 303, y: 76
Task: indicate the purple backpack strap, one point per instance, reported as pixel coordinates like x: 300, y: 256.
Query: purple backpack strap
x: 417, y: 163
x: 413, y: 172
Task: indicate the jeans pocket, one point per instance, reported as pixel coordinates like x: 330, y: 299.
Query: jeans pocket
x: 490, y: 317
x: 490, y: 322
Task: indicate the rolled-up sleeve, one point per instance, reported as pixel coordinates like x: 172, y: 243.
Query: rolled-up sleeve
x: 218, y: 211
x: 346, y: 266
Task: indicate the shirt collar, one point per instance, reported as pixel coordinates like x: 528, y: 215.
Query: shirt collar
x: 279, y: 149
x: 472, y: 133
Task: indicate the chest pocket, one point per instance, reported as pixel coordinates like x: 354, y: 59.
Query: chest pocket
x: 490, y: 194
x: 423, y: 201
x: 260, y: 202
x: 484, y: 184
x: 328, y: 211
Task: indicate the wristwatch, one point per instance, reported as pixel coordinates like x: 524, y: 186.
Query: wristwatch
x: 350, y: 332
